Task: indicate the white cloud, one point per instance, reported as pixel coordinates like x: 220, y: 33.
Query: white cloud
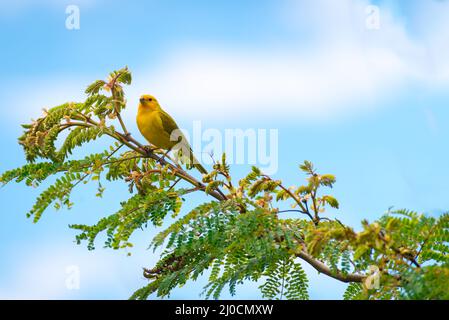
x: 346, y: 69
x: 431, y: 21
x: 343, y: 70
x: 43, y: 273
x: 211, y: 83
x: 25, y: 99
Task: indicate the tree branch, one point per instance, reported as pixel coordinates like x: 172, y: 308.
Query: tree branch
x: 322, y: 268
x: 129, y: 141
x: 133, y: 144
x: 114, y: 100
x: 298, y: 201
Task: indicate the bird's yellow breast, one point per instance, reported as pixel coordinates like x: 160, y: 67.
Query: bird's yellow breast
x: 150, y: 125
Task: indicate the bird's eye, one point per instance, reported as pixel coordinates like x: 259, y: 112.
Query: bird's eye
x: 149, y: 99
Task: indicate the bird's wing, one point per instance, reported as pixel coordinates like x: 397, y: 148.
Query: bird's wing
x: 184, y: 151
x: 169, y: 125
x: 167, y: 122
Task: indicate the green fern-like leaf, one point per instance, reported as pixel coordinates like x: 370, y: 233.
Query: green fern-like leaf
x: 353, y: 291
x: 76, y: 138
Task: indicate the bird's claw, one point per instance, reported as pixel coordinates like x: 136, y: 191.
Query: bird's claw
x: 149, y: 149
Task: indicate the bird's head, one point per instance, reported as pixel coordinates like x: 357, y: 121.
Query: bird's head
x: 148, y: 101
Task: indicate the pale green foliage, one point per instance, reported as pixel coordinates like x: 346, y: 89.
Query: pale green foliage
x: 240, y: 233
x: 431, y: 282
x: 135, y: 213
x: 285, y: 278
x: 353, y: 292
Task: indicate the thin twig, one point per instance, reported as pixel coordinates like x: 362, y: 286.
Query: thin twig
x: 174, y: 184
x: 293, y: 210
x: 114, y: 101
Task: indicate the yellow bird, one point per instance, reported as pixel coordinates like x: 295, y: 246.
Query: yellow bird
x: 159, y: 128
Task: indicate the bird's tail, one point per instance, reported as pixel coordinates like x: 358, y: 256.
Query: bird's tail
x: 191, y: 160
x: 198, y: 165
x: 194, y: 161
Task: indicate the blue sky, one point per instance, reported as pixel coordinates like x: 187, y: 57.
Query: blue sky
x: 369, y: 106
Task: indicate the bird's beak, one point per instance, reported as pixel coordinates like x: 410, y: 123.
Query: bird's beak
x: 141, y: 100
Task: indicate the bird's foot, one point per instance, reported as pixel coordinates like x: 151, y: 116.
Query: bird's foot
x: 149, y: 149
